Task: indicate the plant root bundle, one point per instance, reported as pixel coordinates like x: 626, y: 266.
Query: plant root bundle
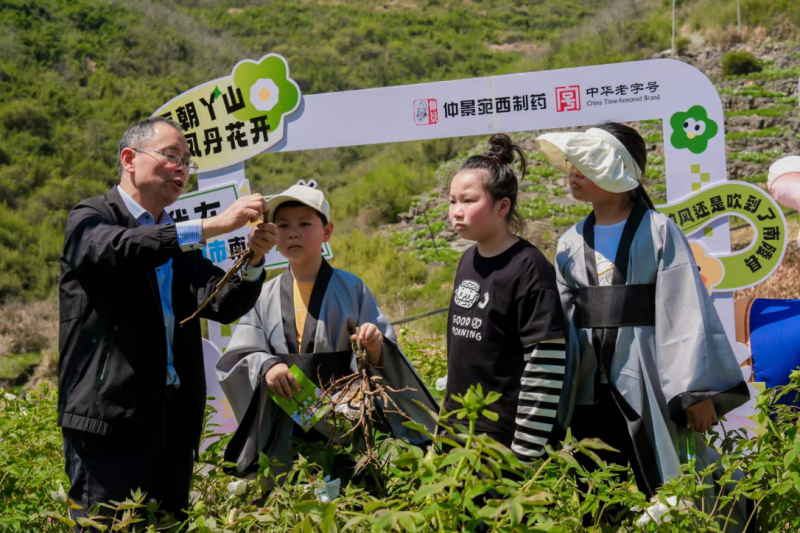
x: 361, y: 394
x: 243, y: 258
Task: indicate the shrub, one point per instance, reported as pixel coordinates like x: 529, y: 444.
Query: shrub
x: 28, y: 327
x: 739, y: 63
x: 461, y: 481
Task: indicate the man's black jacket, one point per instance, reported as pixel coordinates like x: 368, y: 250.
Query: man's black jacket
x: 112, y: 368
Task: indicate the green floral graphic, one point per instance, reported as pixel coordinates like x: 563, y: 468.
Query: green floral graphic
x: 266, y: 90
x: 692, y: 129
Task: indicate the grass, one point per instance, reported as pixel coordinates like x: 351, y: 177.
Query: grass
x: 775, y: 111
x: 13, y: 365
x: 755, y: 91
x: 654, y: 138
x: 777, y: 131
x: 769, y: 74
x: 757, y: 157
x: 540, y: 208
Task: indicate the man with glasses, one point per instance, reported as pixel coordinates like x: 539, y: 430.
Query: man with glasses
x: 131, y: 381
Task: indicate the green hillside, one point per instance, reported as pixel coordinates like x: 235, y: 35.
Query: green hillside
x: 74, y: 74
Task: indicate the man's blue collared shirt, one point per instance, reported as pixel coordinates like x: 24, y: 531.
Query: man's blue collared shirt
x: 190, y: 233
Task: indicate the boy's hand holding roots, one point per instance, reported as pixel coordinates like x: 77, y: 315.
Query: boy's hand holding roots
x: 355, y: 396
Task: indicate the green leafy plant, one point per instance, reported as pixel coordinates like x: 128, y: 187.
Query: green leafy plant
x: 462, y: 480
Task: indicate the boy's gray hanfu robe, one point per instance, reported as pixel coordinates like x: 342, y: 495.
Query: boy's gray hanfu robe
x: 675, y: 354
x: 339, y: 302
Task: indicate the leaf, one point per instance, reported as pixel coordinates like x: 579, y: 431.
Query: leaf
x: 353, y: 522
x: 792, y: 455
x: 516, y: 511
x: 539, y: 498
x: 783, y: 487
x: 593, y: 456
x: 59, y: 496
x: 431, y: 413
x: 329, y: 518
x: 480, y: 488
x: 456, y: 455
x: 492, y: 397
x: 491, y: 415
x: 303, y: 527
x: 418, y: 427
x: 313, y: 508
x: 596, y: 444
x: 85, y: 522
x: 504, y: 452
x: 408, y: 520
x: 380, y: 504
x: 426, y: 490
x: 567, y: 458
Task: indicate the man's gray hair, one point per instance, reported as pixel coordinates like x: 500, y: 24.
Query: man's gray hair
x: 141, y: 132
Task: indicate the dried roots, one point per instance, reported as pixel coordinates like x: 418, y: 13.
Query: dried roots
x: 358, y: 396
x: 244, y: 257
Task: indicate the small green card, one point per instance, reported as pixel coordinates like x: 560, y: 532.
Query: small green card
x: 305, y: 407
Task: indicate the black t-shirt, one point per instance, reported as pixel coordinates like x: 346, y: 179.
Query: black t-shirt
x: 500, y: 305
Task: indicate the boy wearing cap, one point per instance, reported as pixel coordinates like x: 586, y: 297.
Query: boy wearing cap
x: 305, y: 317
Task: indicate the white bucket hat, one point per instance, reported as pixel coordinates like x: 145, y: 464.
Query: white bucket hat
x: 304, y: 194
x: 597, y: 154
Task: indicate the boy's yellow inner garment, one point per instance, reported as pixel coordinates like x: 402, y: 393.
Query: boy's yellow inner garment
x: 301, y: 296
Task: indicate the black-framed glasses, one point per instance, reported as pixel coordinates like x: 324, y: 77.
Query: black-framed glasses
x: 173, y: 159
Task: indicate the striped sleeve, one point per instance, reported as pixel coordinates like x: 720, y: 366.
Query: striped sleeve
x: 190, y: 232
x: 540, y: 393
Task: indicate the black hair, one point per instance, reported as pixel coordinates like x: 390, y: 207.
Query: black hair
x: 295, y: 203
x: 137, y: 134
x: 502, y: 181
x: 633, y: 142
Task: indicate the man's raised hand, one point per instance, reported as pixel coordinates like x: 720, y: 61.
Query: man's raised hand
x: 246, y: 209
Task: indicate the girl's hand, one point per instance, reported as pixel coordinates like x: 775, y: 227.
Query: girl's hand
x: 372, y: 339
x: 701, y: 416
x: 281, y: 381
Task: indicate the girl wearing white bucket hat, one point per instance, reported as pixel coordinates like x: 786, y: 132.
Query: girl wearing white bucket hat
x: 654, y: 363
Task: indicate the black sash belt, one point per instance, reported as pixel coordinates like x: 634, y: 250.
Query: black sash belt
x: 616, y: 306
x: 326, y: 366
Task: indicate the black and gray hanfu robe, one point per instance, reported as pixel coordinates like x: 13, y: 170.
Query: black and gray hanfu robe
x: 656, y: 334
x: 339, y: 302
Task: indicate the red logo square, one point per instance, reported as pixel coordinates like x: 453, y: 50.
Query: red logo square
x: 568, y: 98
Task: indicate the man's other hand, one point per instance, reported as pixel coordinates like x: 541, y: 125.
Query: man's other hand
x: 246, y: 209
x: 262, y: 238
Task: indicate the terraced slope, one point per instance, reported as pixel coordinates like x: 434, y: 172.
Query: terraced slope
x: 762, y: 123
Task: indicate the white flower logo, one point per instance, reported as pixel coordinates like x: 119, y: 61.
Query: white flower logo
x: 264, y: 94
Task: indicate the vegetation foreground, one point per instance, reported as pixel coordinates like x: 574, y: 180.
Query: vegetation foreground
x: 457, y: 484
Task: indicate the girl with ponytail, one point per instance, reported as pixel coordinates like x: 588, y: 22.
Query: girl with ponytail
x: 654, y: 366
x: 505, y: 327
